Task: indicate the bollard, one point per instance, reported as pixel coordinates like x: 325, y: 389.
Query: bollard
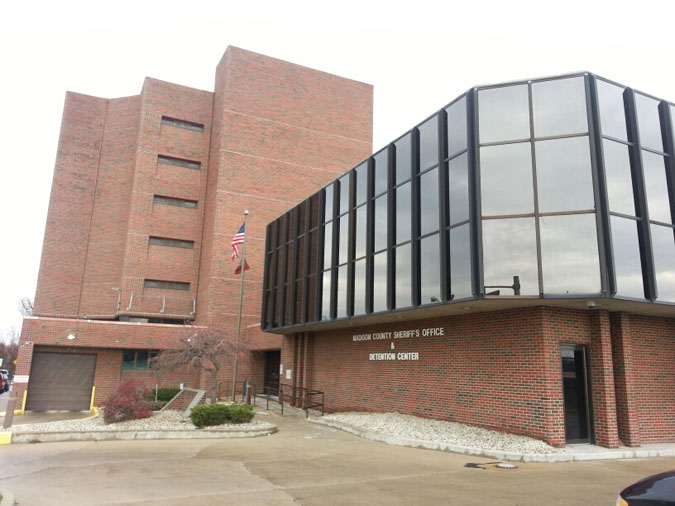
x: 9, y: 410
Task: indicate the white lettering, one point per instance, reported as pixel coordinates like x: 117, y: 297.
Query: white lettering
x: 361, y: 337
x: 408, y: 356
x: 382, y: 356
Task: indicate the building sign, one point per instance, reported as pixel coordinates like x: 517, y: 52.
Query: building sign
x: 21, y: 378
x: 400, y: 334
x: 397, y: 334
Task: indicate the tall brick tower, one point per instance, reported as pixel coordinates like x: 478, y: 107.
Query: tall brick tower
x: 147, y: 193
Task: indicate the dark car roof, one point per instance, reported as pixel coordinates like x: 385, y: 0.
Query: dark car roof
x: 660, y: 487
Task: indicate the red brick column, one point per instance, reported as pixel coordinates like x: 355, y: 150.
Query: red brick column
x: 628, y: 417
x: 602, y: 381
x: 553, y: 405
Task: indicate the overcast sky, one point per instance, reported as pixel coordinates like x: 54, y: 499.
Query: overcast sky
x: 419, y: 56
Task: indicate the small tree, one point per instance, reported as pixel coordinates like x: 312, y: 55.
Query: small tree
x: 9, y: 349
x: 206, y: 349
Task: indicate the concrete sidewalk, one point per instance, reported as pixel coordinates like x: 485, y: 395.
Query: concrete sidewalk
x: 304, y: 464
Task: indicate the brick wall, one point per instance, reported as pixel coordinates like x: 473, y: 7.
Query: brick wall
x: 498, y: 370
x: 280, y: 132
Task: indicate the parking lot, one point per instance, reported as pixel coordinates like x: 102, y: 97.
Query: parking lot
x: 302, y: 464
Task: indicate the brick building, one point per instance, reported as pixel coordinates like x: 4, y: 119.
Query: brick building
x: 147, y: 193
x: 507, y: 263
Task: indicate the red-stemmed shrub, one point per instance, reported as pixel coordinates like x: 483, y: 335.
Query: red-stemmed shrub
x: 127, y: 403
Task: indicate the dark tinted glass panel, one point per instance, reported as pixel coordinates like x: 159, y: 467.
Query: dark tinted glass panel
x: 342, y: 292
x: 559, y: 107
x: 327, y: 245
x: 301, y: 258
x: 663, y: 243
x: 128, y: 359
x: 278, y: 308
x: 269, y: 297
x: 343, y: 241
x: 460, y: 262
x: 360, y: 287
x: 360, y: 235
x: 302, y: 215
x: 503, y: 114
x: 429, y: 143
x: 627, y: 266
x: 612, y: 113
x: 429, y: 201
x: 458, y: 183
x: 403, y: 162
x: 290, y: 305
x: 380, y: 282
x: 344, y: 193
x: 170, y: 160
x: 569, y: 254
x: 313, y: 249
x: 380, y: 223
x: 299, y: 287
x: 281, y: 265
x: 509, y: 249
x: 430, y: 270
x: 170, y: 201
x: 619, y: 179
x: 656, y: 187
x: 361, y: 174
x: 328, y: 208
x: 289, y: 262
x: 311, y: 299
x: 506, y: 179
x: 325, y: 299
x: 173, y: 243
x: 142, y: 360
x: 457, y: 127
x: 403, y: 219
x: 313, y: 210
x: 648, y: 122
x: 381, y: 171
x: 564, y: 177
x: 403, y: 276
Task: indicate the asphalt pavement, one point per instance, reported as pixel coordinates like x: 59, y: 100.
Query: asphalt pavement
x: 302, y: 464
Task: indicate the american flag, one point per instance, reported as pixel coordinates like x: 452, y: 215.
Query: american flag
x: 237, y: 241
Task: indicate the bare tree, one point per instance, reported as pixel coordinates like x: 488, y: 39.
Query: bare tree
x: 9, y: 349
x: 206, y: 349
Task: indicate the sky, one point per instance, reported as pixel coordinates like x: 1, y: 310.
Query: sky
x: 418, y: 55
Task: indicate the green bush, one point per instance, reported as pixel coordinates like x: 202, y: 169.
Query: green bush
x: 218, y: 414
x: 208, y: 414
x: 166, y: 394
x: 240, y: 413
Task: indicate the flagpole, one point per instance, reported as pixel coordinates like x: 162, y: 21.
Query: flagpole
x: 241, y: 300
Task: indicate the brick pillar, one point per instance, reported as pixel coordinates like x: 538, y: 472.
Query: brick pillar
x: 628, y: 416
x: 602, y: 381
x: 23, y: 365
x: 553, y: 423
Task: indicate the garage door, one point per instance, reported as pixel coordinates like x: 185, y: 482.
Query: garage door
x: 60, y: 381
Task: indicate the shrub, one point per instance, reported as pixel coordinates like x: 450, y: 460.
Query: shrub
x: 217, y: 414
x: 209, y: 414
x: 240, y: 413
x: 126, y: 403
x: 163, y: 394
x: 166, y: 394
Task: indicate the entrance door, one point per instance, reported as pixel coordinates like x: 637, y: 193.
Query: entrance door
x: 271, y: 377
x: 575, y: 393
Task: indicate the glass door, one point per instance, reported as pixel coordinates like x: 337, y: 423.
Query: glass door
x: 575, y: 394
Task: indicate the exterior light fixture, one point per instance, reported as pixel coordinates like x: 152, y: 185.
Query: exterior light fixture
x: 71, y: 337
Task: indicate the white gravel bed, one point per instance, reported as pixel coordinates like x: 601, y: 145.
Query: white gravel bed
x: 424, y: 429
x: 166, y: 420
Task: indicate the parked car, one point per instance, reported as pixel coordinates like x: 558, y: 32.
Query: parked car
x: 657, y: 490
x: 4, y: 383
x: 5, y: 378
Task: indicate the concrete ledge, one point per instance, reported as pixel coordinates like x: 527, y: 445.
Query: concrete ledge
x: 568, y: 455
x: 127, y: 435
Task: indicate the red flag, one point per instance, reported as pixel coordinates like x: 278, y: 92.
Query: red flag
x: 238, y: 269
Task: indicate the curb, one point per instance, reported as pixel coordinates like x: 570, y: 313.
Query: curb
x: 8, y: 498
x: 497, y: 454
x: 128, y: 435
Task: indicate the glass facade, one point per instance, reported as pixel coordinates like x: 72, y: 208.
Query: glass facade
x: 551, y: 188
